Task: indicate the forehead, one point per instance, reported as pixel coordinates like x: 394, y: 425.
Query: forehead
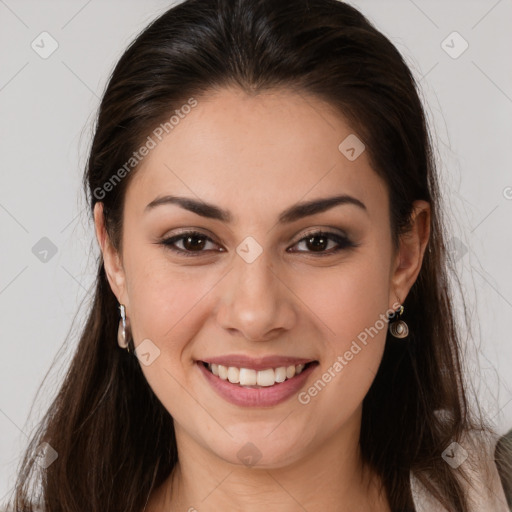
x: 255, y: 151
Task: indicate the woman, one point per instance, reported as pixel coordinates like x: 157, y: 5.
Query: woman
x: 272, y: 326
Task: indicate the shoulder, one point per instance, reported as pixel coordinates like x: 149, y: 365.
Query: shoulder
x: 485, y: 489
x: 503, y: 457
x: 475, y: 454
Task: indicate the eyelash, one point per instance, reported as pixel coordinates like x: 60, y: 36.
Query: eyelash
x: 342, y: 241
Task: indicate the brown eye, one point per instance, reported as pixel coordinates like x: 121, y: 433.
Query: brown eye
x: 191, y: 242
x: 319, y: 241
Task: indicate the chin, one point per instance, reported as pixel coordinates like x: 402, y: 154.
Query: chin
x: 259, y: 451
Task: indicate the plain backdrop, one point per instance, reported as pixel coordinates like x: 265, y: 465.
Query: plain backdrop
x: 458, y: 50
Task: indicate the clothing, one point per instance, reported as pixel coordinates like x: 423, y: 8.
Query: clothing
x: 481, y: 501
x: 485, y: 491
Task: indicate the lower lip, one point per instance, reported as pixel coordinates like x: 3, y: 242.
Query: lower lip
x: 256, y: 397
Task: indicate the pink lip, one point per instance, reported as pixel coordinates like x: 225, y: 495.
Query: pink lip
x: 257, y: 397
x: 259, y: 363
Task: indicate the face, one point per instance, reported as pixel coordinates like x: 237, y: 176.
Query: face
x: 253, y: 288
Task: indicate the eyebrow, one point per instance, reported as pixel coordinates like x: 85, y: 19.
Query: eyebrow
x: 291, y: 214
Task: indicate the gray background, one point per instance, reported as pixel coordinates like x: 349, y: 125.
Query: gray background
x: 47, y: 106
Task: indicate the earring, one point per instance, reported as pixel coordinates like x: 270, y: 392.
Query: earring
x: 122, y: 339
x: 397, y: 327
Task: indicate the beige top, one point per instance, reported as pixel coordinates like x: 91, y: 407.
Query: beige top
x: 485, y: 491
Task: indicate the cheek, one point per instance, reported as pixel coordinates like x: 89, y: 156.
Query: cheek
x: 348, y: 299
x: 159, y: 293
x: 166, y: 305
x: 165, y: 310
x: 352, y: 304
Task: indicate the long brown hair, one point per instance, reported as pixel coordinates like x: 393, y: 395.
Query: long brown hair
x: 114, y: 439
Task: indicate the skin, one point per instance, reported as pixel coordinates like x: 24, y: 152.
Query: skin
x: 257, y: 156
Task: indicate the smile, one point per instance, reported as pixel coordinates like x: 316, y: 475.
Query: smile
x: 257, y: 387
x: 248, y: 377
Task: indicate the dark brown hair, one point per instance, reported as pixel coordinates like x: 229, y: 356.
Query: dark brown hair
x: 115, y: 441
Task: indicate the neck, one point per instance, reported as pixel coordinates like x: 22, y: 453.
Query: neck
x: 329, y: 477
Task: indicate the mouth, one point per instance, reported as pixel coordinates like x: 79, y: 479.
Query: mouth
x: 257, y: 378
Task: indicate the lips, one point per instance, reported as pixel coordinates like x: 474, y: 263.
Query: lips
x: 271, y: 393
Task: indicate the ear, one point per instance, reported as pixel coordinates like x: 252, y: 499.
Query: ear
x: 111, y: 259
x: 409, y: 256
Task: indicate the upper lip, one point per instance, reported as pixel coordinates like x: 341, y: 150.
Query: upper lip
x: 256, y: 363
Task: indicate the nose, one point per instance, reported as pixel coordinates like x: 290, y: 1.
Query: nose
x: 255, y: 301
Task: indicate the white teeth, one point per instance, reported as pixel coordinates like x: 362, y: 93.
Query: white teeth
x: 250, y: 377
x: 223, y: 372
x: 266, y: 378
x: 233, y: 375
x: 290, y: 372
x: 280, y: 374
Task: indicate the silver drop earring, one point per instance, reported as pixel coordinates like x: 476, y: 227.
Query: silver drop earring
x: 122, y: 338
x: 397, y: 327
